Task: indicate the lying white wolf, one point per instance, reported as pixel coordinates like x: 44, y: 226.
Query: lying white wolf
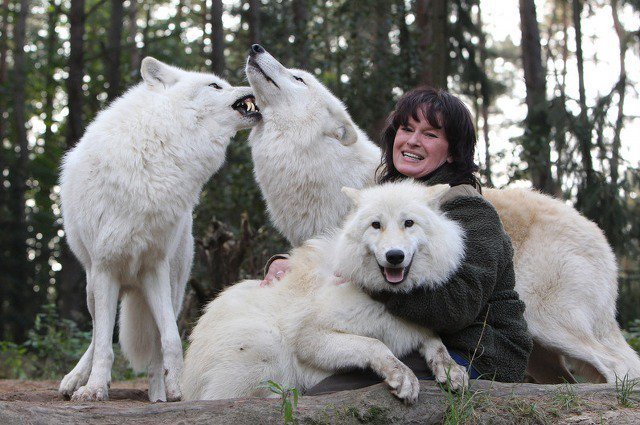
x: 565, y: 270
x: 128, y: 190
x: 310, y: 325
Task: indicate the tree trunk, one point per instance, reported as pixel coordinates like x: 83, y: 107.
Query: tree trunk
x: 583, y: 130
x: 114, y: 49
x: 134, y: 53
x: 254, y: 21
x: 300, y: 19
x: 623, y: 39
x: 433, y: 44
x: 404, y: 42
x: 20, y: 173
x: 217, y: 39
x: 537, y: 151
x: 485, y: 95
x: 381, y: 75
x: 4, y: 30
x: 71, y: 299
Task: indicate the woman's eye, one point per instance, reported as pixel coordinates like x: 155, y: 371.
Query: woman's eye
x: 408, y: 223
x: 215, y: 86
x: 433, y: 135
x: 299, y: 79
x: 407, y: 129
x: 375, y: 224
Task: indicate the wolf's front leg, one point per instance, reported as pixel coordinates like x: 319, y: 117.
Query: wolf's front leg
x: 445, y: 370
x: 333, y: 351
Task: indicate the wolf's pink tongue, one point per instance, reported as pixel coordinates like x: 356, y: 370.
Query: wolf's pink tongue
x: 394, y: 275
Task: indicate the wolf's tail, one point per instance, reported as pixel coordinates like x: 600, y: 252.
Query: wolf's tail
x: 139, y: 336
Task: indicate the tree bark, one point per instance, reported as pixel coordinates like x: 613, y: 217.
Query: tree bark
x: 536, y: 139
x: 623, y: 42
x: 300, y: 20
x: 217, y: 39
x: 255, y: 31
x: 4, y: 47
x: 381, y: 77
x: 433, y: 43
x: 71, y: 299
x: 114, y: 49
x: 485, y: 95
x: 134, y: 53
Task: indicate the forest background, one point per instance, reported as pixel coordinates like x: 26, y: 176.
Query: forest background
x: 555, y: 102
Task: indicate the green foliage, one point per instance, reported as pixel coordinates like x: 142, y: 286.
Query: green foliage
x: 625, y: 391
x: 288, y: 397
x: 632, y: 335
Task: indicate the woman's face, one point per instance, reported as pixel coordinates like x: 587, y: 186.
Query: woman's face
x: 419, y: 149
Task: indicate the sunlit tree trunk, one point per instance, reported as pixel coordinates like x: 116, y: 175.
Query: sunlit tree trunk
x: 432, y: 41
x: 114, y: 49
x: 217, y: 39
x: 536, y: 138
x: 71, y: 285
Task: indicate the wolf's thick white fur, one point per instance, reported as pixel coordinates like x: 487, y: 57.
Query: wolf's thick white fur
x: 310, y: 325
x: 128, y: 189
x: 565, y: 269
x: 319, y: 150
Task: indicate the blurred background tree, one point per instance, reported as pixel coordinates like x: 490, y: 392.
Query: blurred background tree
x: 540, y: 121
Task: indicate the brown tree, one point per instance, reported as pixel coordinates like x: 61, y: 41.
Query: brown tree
x: 432, y: 41
x: 537, y: 151
x: 300, y: 19
x: 114, y: 48
x: 254, y: 21
x: 217, y: 39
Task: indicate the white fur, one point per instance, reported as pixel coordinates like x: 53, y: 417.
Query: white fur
x: 565, y: 270
x: 305, y: 148
x: 309, y: 325
x: 128, y: 190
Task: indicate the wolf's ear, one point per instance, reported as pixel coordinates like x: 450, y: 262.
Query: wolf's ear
x: 435, y: 194
x: 340, y: 126
x: 158, y: 74
x: 353, y: 194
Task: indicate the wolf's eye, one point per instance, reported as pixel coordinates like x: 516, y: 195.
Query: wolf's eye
x: 375, y: 224
x: 215, y: 86
x: 299, y: 79
x: 408, y: 223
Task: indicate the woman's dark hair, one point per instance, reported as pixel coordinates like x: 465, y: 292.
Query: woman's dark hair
x: 442, y: 110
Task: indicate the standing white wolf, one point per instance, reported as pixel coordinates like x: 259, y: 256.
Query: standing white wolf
x: 128, y: 190
x: 310, y: 325
x: 565, y: 270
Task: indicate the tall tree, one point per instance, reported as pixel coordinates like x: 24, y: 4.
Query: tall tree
x: 115, y: 48
x: 255, y: 24
x: 4, y: 250
x: 134, y: 52
x: 19, y: 176
x: 433, y: 46
x: 217, y: 39
x: 300, y: 19
x: 485, y: 97
x: 537, y: 150
x: 72, y: 279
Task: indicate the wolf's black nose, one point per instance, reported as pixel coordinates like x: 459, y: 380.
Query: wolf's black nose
x: 256, y: 48
x: 395, y: 256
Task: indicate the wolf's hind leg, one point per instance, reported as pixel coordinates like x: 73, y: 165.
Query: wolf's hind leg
x: 105, y: 289
x: 445, y: 370
x: 80, y: 373
x: 156, y: 288
x: 333, y: 351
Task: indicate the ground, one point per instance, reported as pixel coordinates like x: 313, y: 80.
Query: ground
x: 37, y: 402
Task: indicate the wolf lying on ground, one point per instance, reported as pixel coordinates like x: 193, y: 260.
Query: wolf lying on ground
x: 128, y: 189
x: 311, y: 324
x: 565, y: 270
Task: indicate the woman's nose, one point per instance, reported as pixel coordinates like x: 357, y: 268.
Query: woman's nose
x: 414, y: 140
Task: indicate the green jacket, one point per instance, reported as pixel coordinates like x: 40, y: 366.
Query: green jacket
x: 477, y: 312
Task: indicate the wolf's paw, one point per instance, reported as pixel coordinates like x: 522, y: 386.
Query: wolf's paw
x: 173, y: 389
x: 91, y: 393
x: 71, y: 382
x: 403, y: 383
x: 452, y: 375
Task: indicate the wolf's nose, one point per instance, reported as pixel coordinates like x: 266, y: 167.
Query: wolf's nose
x: 256, y: 48
x: 395, y: 256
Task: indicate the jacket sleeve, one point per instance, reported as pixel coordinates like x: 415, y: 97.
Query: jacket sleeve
x: 457, y: 303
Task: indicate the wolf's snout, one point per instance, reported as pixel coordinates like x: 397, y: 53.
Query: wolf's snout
x: 256, y: 48
x: 395, y: 256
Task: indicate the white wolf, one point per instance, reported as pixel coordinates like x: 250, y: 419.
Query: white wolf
x: 128, y: 190
x: 565, y: 270
x: 310, y: 325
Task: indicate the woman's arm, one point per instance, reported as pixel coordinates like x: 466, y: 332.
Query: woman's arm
x: 458, y: 302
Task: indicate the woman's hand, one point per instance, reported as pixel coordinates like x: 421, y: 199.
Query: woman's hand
x: 277, y: 269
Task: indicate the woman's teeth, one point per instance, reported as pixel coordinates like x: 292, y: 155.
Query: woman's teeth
x: 412, y: 156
